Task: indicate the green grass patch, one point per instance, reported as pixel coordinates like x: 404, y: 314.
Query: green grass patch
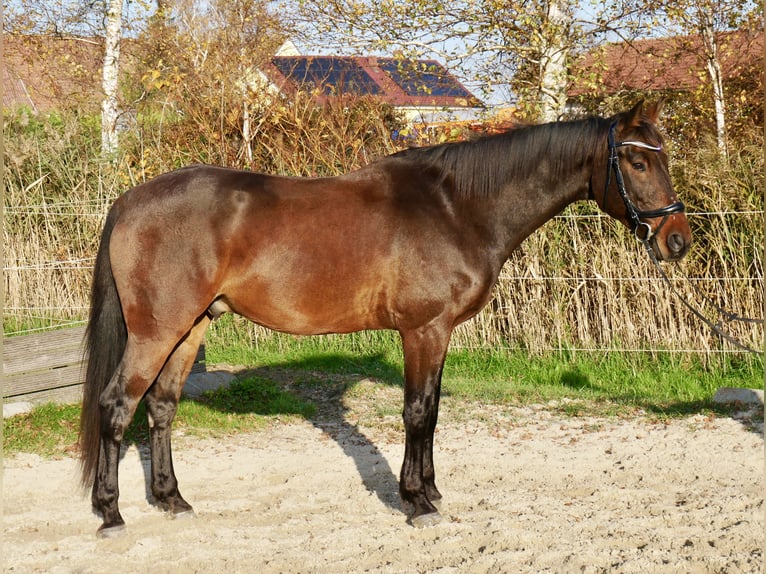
x: 376, y: 354
x: 665, y: 385
x: 48, y: 430
x: 245, y: 406
x: 290, y: 373
x: 254, y: 396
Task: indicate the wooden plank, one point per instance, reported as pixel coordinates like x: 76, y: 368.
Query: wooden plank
x: 46, y: 351
x: 62, y: 395
x: 40, y: 364
x: 199, y: 360
x: 53, y: 378
x: 42, y: 350
x: 33, y: 362
x: 42, y: 380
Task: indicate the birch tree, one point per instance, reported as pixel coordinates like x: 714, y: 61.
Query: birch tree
x: 554, y: 50
x: 85, y: 22
x: 713, y: 66
x: 110, y: 77
x: 708, y: 21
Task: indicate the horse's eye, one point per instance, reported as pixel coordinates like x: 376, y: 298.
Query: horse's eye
x: 639, y: 166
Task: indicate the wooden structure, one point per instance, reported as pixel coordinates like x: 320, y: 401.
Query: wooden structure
x: 49, y: 367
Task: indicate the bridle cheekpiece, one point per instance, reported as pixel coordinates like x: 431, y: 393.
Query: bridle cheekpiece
x: 635, y: 215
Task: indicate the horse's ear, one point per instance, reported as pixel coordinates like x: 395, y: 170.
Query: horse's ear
x: 639, y: 113
x: 653, y: 111
x: 634, y: 116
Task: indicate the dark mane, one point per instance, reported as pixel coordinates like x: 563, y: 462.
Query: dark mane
x: 480, y: 167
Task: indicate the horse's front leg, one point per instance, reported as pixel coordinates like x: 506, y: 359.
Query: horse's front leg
x: 429, y: 472
x: 424, y: 353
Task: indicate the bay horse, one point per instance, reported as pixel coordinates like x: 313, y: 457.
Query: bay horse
x: 413, y: 242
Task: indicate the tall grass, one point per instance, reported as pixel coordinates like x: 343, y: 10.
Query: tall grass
x: 56, y: 195
x: 581, y: 282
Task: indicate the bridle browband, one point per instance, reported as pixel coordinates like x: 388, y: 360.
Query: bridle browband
x: 635, y: 215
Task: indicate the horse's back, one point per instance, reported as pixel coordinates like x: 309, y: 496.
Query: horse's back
x: 304, y: 255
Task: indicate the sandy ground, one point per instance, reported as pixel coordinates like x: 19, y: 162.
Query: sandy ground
x: 525, y: 490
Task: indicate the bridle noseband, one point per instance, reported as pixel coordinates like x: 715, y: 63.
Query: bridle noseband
x: 635, y: 215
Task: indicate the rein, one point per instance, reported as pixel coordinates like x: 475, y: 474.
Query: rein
x: 635, y: 216
x: 727, y: 316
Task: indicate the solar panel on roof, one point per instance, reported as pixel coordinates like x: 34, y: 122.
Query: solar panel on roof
x: 423, y: 78
x: 330, y: 75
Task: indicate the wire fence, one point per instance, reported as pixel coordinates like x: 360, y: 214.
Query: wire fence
x: 562, y: 294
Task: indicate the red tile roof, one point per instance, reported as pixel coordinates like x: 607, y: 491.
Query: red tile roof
x: 401, y: 83
x: 663, y: 63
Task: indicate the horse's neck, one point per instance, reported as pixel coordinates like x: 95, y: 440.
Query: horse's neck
x: 522, y: 207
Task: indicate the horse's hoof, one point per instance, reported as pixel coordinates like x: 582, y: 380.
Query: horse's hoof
x: 183, y: 515
x: 111, y: 531
x: 426, y: 520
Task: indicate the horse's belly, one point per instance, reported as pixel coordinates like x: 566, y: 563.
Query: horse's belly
x: 322, y: 308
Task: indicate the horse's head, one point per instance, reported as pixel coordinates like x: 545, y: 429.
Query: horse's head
x: 637, y: 190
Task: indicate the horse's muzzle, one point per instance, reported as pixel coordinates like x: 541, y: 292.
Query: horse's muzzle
x: 672, y: 246
x: 677, y: 245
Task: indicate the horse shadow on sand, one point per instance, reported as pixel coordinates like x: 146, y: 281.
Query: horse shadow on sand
x: 324, y: 381
x: 321, y: 387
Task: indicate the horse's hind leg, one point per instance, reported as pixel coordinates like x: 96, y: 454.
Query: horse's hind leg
x: 162, y: 403
x: 137, y: 370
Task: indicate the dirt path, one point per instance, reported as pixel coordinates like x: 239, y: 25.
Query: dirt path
x: 526, y: 490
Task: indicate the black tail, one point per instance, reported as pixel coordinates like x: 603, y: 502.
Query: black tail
x: 105, y: 340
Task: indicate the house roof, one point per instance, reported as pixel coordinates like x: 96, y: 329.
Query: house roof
x: 400, y: 82
x: 658, y: 64
x: 42, y: 71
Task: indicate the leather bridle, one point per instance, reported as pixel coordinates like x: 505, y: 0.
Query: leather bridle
x: 635, y: 215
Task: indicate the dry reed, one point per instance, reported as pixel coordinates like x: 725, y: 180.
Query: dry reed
x: 580, y: 282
